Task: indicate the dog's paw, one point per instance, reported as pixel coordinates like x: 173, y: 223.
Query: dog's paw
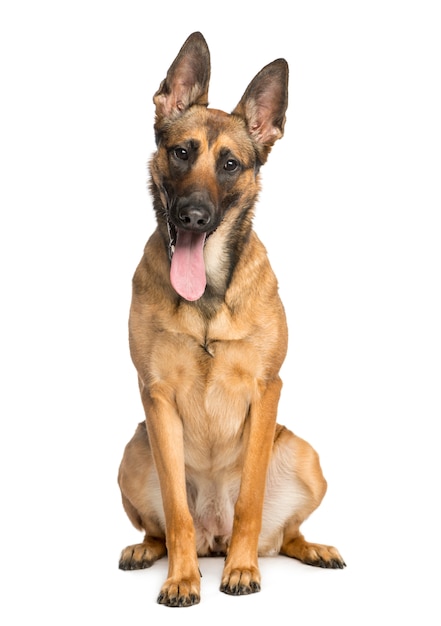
x: 324, y: 556
x: 314, y: 554
x: 140, y: 556
x: 179, y: 594
x: 240, y: 582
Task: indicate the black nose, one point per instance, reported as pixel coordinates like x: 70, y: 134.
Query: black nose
x: 194, y: 218
x: 194, y: 211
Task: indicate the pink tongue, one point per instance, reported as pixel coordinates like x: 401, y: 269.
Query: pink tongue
x: 187, y: 272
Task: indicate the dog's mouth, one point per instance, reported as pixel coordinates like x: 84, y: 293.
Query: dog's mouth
x: 187, y: 269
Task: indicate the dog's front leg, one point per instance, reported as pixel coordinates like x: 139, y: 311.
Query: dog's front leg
x: 182, y: 587
x: 241, y: 573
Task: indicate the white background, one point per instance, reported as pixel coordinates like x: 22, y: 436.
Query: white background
x: 349, y: 213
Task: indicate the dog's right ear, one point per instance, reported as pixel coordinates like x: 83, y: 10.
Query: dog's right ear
x: 186, y: 82
x: 263, y: 106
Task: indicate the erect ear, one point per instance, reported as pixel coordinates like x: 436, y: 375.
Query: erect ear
x: 263, y: 105
x: 187, y: 80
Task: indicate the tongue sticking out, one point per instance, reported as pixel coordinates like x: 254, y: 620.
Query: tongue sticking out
x: 187, y: 272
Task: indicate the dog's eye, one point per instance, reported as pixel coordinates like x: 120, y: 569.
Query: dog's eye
x: 181, y: 153
x: 231, y: 165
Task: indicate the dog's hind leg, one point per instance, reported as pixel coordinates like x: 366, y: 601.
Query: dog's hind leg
x: 142, y: 503
x: 308, y: 475
x: 295, y: 546
x: 142, y: 555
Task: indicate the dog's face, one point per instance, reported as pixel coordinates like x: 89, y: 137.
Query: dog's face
x: 205, y: 169
x: 205, y: 163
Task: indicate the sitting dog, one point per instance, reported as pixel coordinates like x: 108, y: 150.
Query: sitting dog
x: 210, y: 471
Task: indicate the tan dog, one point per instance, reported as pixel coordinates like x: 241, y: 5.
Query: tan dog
x: 210, y: 471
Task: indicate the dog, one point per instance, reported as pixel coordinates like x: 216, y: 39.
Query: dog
x: 210, y: 471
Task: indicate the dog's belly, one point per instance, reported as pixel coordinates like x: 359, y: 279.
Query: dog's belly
x: 211, y: 501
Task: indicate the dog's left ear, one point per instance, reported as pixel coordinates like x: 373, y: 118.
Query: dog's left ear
x: 264, y: 104
x: 187, y: 80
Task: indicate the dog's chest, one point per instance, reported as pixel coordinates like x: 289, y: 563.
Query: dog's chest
x: 197, y: 356
x: 214, y: 381
x: 220, y: 386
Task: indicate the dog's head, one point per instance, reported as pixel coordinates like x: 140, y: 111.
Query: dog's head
x: 205, y: 169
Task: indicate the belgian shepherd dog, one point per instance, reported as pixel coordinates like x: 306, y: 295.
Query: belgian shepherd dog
x: 209, y: 471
